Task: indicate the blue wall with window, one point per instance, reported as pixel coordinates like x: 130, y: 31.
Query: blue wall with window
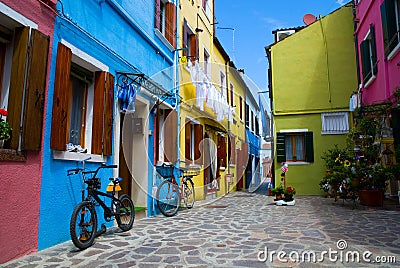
x: 121, y: 36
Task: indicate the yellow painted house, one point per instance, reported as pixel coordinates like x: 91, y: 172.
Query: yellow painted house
x: 313, y: 74
x: 206, y: 115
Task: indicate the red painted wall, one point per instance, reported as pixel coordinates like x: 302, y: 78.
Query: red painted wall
x: 388, y: 75
x: 21, y: 181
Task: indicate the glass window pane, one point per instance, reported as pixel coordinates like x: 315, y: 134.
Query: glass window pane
x: 299, y: 147
x: 77, y: 109
x: 288, y: 147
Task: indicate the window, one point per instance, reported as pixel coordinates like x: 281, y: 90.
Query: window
x: 222, y: 77
x: 247, y: 115
x: 294, y: 146
x: 165, y: 20
x: 82, y: 104
x: 335, y: 123
x: 206, y: 62
x: 190, y: 42
x: 390, y: 14
x: 166, y: 135
x: 368, y: 57
x: 232, y: 96
x: 23, y: 81
x: 252, y: 121
x: 221, y: 150
x: 206, y: 7
x: 193, y: 137
x: 240, y: 107
x: 257, y: 126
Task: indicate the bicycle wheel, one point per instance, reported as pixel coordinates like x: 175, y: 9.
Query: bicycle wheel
x: 168, y: 199
x: 125, y: 215
x: 83, y: 225
x: 188, y: 193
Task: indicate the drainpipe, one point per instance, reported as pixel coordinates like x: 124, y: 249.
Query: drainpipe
x: 176, y: 83
x: 229, y: 125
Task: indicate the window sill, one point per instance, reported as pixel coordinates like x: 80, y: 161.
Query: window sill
x: 72, y: 156
x: 393, y: 52
x: 369, y: 82
x: 163, y: 39
x: 297, y: 163
x: 12, y: 155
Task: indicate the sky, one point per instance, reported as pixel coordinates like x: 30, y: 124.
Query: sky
x: 253, y: 22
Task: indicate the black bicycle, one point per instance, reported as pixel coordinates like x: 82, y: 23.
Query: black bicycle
x: 83, y: 224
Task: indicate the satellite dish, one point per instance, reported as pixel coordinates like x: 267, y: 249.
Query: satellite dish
x: 309, y: 18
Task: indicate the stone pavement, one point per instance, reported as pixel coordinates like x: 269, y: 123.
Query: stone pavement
x: 236, y: 231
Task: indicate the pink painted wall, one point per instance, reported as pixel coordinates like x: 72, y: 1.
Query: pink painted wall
x: 388, y: 75
x: 21, y: 181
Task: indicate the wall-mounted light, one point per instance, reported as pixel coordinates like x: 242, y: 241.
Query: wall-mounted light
x: 198, y: 30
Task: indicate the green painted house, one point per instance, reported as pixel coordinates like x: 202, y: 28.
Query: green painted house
x: 311, y: 78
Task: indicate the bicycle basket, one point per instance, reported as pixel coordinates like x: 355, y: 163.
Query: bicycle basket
x: 169, y: 171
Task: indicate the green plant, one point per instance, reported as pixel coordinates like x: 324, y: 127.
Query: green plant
x: 5, y: 128
x: 278, y: 190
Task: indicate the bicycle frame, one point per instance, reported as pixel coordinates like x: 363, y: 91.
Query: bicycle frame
x: 108, y: 211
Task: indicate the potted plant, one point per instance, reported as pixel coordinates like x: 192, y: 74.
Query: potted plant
x: 278, y: 192
x: 373, y: 185
x: 5, y: 128
x: 289, y: 192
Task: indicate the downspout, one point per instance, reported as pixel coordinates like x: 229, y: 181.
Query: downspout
x: 327, y: 59
x: 176, y: 83
x: 227, y: 84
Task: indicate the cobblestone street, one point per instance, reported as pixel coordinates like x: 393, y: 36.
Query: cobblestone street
x: 240, y: 230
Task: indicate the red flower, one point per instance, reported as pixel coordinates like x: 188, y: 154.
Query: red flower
x: 3, y: 112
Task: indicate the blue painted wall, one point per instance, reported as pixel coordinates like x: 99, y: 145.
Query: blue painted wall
x: 106, y: 31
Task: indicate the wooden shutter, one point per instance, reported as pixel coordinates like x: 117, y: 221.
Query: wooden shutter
x: 373, y: 50
x: 108, y: 114
x: 157, y: 15
x: 184, y: 39
x: 17, y: 80
x: 309, y: 146
x: 61, y: 99
x: 35, y: 91
x: 193, y: 47
x: 170, y: 26
x: 170, y: 136
x: 198, y: 137
x: 102, y: 113
x: 280, y: 147
x: 232, y: 150
x: 187, y: 140
x: 221, y: 151
x: 365, y: 59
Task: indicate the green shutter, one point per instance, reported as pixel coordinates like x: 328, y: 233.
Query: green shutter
x: 280, y: 147
x: 308, y: 140
x: 366, y: 62
x: 373, y: 50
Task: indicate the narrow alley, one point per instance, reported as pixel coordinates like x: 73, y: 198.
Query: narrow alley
x: 242, y: 229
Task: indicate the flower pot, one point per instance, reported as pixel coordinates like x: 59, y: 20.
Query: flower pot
x: 373, y: 198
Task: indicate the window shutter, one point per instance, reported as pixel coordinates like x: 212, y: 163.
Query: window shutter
x: 102, y: 113
x: 157, y: 22
x: 198, y: 137
x: 35, y: 91
x: 187, y: 140
x: 61, y: 100
x: 185, y: 40
x: 232, y: 146
x: 221, y: 151
x: 365, y: 58
x: 373, y: 49
x: 17, y: 79
x: 108, y: 114
x: 193, y: 47
x: 280, y: 147
x: 309, y: 146
x: 170, y: 136
x: 170, y: 27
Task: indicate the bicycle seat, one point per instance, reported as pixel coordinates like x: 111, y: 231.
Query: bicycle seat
x: 116, y: 180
